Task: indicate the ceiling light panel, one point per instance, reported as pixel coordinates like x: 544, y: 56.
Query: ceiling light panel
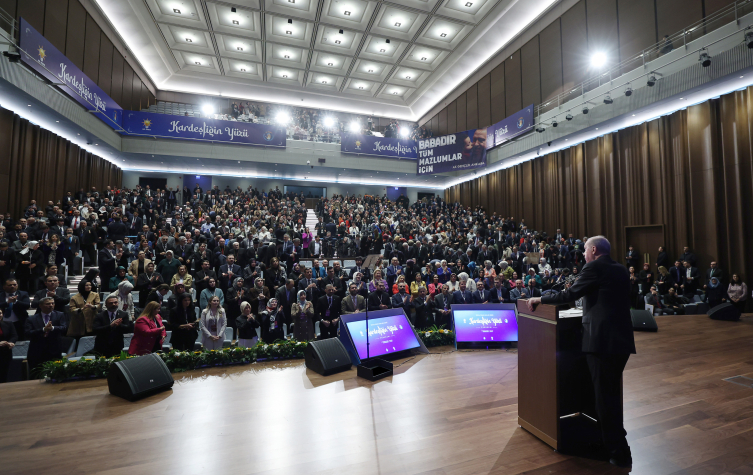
x: 239, y: 48
x: 286, y: 56
x: 442, y: 33
x: 325, y: 81
x: 348, y: 13
x: 282, y: 75
x: 297, y: 33
x: 244, y: 23
x: 302, y: 9
x: 410, y: 77
x: 187, y: 39
x: 370, y: 70
x: 329, y: 63
x: 242, y: 69
x: 396, y: 23
x: 360, y: 87
x: 422, y: 57
x: 330, y: 39
x: 466, y: 10
x: 198, y: 62
x: 178, y: 12
x: 377, y: 49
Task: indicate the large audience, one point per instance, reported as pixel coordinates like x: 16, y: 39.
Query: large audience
x: 247, y: 260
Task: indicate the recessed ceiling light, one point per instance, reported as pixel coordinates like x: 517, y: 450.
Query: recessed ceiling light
x: 382, y: 50
x: 395, y: 93
x: 347, y: 13
x: 291, y: 1
x: 371, y: 70
x: 397, y: 24
x: 57, y: 121
x: 287, y: 57
x: 423, y: 59
x: 324, y: 81
x: 78, y: 134
x: 360, y: 87
x: 469, y: 4
x: 285, y: 76
x: 175, y: 10
x: 330, y: 64
x: 597, y: 128
x: 337, y: 42
x: 407, y: 77
x: 28, y: 105
x: 189, y: 40
x: 239, y: 48
x: 243, y: 70
x: 288, y: 32
x: 633, y: 115
x: 198, y: 62
x: 443, y: 35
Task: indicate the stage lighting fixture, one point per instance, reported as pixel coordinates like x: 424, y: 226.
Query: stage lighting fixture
x: 628, y: 91
x: 651, y: 81
x: 540, y: 129
x: 387, y: 41
x: 554, y: 123
x: 233, y: 10
x: 329, y: 121
x: 207, y: 109
x: 282, y: 118
x: 569, y: 116
x: 585, y: 110
x: 598, y: 60
x: 341, y: 32
x: 608, y: 100
x: 404, y: 132
x: 12, y: 56
x: 354, y: 127
x: 749, y: 39
x: 704, y: 59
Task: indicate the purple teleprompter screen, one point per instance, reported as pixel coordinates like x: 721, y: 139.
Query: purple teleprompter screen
x: 386, y: 335
x: 485, y: 325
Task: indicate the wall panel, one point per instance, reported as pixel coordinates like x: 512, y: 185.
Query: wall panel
x: 497, y: 93
x: 105, y: 64
x: 55, y: 23
x: 602, y: 30
x: 530, y: 73
x: 513, y: 88
x: 136, y: 97
x: 452, y: 118
x: 9, y: 6
x: 637, y: 23
x: 674, y: 15
x: 116, y: 87
x: 461, y: 114
x: 127, y: 86
x: 484, y: 102
x: 471, y: 98
x: 91, y: 49
x: 32, y: 11
x: 74, y: 37
x: 442, y: 128
x: 574, y: 45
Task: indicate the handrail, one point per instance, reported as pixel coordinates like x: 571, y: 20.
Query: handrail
x: 655, y: 49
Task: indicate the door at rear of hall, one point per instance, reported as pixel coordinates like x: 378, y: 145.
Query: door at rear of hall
x: 646, y: 240
x: 154, y: 183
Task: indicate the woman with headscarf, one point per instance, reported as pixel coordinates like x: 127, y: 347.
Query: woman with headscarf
x: 213, y: 323
x: 92, y: 275
x: 302, y: 314
x: 715, y: 293
x: 184, y: 324
x: 125, y: 299
x: 247, y: 323
x: 120, y: 276
x: 147, y: 281
x: 209, y: 292
x: 83, y: 307
x: 444, y: 272
x: 30, y: 266
x: 271, y: 320
x: 235, y: 295
x: 470, y: 284
x: 361, y: 287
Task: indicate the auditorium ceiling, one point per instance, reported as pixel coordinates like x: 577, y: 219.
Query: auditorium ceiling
x: 395, y: 59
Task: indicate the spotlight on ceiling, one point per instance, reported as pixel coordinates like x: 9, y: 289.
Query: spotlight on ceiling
x: 329, y: 121
x: 569, y: 116
x: 704, y: 59
x: 598, y: 60
x: 608, y: 100
x: 282, y: 118
x: 629, y: 91
x: 233, y: 10
x: 354, y: 127
x: 12, y: 56
x: 404, y: 132
x: 387, y: 41
x: 207, y: 109
x: 585, y: 110
x: 540, y: 129
x: 554, y: 123
x: 290, y: 21
x: 341, y: 32
x: 651, y: 81
x: 749, y: 39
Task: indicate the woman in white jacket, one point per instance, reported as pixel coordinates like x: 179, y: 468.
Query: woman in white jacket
x: 213, y: 323
x: 125, y: 299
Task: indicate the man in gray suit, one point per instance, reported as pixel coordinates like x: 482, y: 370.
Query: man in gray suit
x: 353, y: 302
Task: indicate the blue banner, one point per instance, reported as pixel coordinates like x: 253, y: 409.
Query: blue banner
x: 42, y: 57
x: 196, y: 128
x: 454, y: 152
x: 381, y: 146
x: 514, y: 125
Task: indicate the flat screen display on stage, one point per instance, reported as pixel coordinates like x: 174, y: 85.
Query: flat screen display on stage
x: 387, y: 334
x: 485, y: 323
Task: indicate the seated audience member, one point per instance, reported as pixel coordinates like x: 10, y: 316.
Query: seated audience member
x: 247, y: 324
x: 109, y: 327
x: 462, y: 296
x: 8, y: 339
x: 401, y: 298
x: 45, y: 331
x: 481, y: 295
x: 211, y: 291
x: 183, y: 323
x: 183, y: 277
x: 738, y: 292
x: 213, y: 324
x: 328, y: 313
x: 500, y: 293
x: 675, y: 302
x: 378, y: 299
x: 517, y: 292
x: 654, y: 299
x: 138, y: 265
x: 148, y: 332
x: 354, y: 302
x: 120, y: 276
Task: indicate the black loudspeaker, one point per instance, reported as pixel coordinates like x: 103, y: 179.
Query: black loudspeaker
x: 725, y: 311
x: 327, y: 356
x: 136, y: 378
x: 643, y: 321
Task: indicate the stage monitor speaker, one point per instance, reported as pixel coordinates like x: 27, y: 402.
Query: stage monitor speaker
x: 327, y: 356
x: 725, y: 311
x: 136, y: 378
x: 643, y: 321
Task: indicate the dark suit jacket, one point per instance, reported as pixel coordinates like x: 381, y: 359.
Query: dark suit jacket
x: 106, y: 262
x: 44, y: 348
x: 605, y: 286
x: 322, y: 305
x: 62, y: 298
x: 397, y: 301
x: 109, y: 341
x: 494, y: 297
x: 19, y: 308
x: 116, y: 231
x: 462, y: 297
x: 479, y: 298
x: 9, y: 332
x: 374, y: 301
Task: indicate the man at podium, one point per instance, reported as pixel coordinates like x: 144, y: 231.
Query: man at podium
x: 607, y: 337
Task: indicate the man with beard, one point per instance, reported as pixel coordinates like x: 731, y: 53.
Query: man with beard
x: 478, y: 151
x: 379, y: 300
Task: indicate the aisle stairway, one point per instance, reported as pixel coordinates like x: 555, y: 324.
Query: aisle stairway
x: 311, y: 220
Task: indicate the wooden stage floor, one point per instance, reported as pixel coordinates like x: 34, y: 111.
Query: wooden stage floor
x: 441, y: 414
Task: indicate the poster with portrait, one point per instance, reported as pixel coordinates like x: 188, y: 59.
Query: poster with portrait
x: 454, y: 152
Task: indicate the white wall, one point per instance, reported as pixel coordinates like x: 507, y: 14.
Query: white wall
x: 131, y: 179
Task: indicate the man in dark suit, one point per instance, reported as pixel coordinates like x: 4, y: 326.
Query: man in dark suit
x: 423, y: 308
x: 15, y: 303
x: 500, y: 293
x: 462, y: 296
x: 688, y: 256
x: 8, y: 339
x: 481, y: 295
x: 286, y: 296
x: 359, y: 267
x: 379, y: 299
x: 607, y: 337
x: 228, y: 273
x: 328, y: 313
x: 677, y: 272
x: 402, y: 299
x: 631, y: 258
x: 7, y: 261
x: 715, y: 271
x: 116, y: 231
x: 107, y: 261
x: 62, y: 296
x: 442, y: 305
x: 109, y: 327
x: 689, y: 279
x: 44, y: 331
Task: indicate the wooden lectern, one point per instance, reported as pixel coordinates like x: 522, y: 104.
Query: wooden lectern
x: 555, y: 393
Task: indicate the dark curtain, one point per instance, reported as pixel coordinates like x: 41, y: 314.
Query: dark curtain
x: 690, y: 171
x: 37, y: 164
